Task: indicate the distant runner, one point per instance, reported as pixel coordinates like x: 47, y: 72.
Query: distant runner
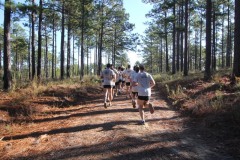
x: 134, y: 88
x: 116, y: 83
x: 108, y: 82
x: 127, y: 73
x: 120, y: 79
x: 123, y: 79
x: 145, y: 82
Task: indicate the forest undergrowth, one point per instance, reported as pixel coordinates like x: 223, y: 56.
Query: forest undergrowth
x: 214, y: 104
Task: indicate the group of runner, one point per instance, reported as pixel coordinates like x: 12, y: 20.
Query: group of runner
x: 136, y: 82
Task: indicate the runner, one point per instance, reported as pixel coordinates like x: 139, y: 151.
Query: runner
x: 108, y: 82
x: 120, y: 79
x: 116, y: 83
x: 145, y: 82
x: 127, y: 73
x: 123, y: 79
x: 134, y: 88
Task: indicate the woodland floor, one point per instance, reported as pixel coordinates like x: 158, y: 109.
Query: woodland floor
x: 69, y: 123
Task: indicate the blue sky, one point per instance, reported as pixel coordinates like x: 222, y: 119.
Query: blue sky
x: 137, y: 10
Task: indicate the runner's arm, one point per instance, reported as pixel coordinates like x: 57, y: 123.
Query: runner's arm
x: 135, y: 82
x: 152, y: 83
x: 113, y: 76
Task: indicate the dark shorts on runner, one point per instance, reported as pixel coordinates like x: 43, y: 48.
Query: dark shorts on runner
x: 135, y: 93
x: 116, y: 83
x: 107, y: 86
x: 145, y: 98
x: 127, y: 83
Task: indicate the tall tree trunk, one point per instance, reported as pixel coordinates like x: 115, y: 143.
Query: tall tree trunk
x: 55, y: 54
x: 223, y: 20
x: 33, y: 42
x: 178, y: 41
x: 181, y: 50
x: 82, y: 41
x: 39, y: 41
x: 196, y: 51
x: 207, y: 75
x: 68, y: 49
x: 29, y: 50
x: 16, y: 55
x: 100, y: 51
x: 151, y: 58
x: 174, y: 38
x: 78, y: 73
x: 114, y: 46
x: 228, y: 54
x: 200, y: 52
x: 73, y: 56
x: 46, y: 53
x: 62, y: 42
x: 214, y: 39
x: 96, y: 57
x: 21, y: 67
x: 7, y: 48
x: 87, y: 57
x: 53, y: 44
x: 236, y: 61
x: 166, y: 42
x: 185, y: 69
x: 100, y: 43
x: 161, y: 56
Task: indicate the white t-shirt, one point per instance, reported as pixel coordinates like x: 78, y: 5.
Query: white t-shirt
x: 127, y: 73
x: 107, y: 75
x: 116, y: 73
x: 120, y: 75
x: 144, y: 87
x: 133, y: 76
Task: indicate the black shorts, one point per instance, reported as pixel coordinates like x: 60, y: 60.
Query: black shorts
x: 135, y: 93
x: 107, y: 86
x: 127, y: 83
x: 116, y: 83
x: 145, y: 98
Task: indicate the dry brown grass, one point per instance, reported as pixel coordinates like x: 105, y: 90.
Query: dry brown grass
x: 200, y: 98
x: 22, y: 103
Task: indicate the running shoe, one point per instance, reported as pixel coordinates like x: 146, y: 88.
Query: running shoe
x: 134, y: 104
x: 105, y: 105
x: 142, y: 122
x: 151, y: 108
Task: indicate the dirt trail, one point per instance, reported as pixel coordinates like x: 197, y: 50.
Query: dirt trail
x: 92, y: 132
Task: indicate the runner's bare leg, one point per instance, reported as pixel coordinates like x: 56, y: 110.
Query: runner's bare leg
x: 110, y: 96
x: 141, y: 111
